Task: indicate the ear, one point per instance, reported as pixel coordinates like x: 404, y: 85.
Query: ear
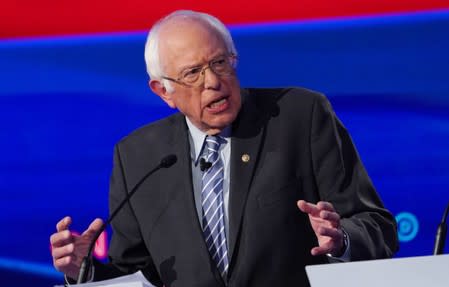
x: 158, y: 88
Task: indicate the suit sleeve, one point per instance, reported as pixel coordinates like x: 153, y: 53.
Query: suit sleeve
x: 342, y: 180
x: 127, y: 251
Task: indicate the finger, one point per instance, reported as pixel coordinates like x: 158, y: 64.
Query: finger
x: 61, y: 238
x: 68, y: 266
x: 321, y: 250
x: 330, y: 216
x: 66, y: 250
x: 308, y: 208
x: 62, y: 262
x: 93, y: 227
x: 64, y: 223
x: 334, y: 233
x: 324, y: 205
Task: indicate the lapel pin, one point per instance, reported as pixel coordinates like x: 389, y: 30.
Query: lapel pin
x: 245, y: 157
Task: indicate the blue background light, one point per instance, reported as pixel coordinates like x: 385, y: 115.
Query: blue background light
x: 64, y: 102
x: 408, y: 226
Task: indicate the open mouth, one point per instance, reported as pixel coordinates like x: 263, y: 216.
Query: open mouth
x: 217, y: 103
x: 218, y: 106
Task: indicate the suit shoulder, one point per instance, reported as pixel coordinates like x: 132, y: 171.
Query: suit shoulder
x: 289, y: 97
x: 154, y: 131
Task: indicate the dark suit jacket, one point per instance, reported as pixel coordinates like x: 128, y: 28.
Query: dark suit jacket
x: 298, y: 150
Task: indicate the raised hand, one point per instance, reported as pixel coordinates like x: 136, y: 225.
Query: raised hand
x: 68, y: 249
x: 325, y: 223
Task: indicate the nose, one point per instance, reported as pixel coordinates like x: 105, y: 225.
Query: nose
x: 211, y: 79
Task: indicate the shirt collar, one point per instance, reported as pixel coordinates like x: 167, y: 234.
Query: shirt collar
x: 198, y: 137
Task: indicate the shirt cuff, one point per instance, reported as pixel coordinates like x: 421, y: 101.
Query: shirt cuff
x: 346, y: 256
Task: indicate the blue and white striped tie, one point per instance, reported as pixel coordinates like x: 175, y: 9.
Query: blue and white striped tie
x: 213, y: 206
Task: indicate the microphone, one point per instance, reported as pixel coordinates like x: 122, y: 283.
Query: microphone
x: 204, y: 165
x: 166, y: 162
x: 440, y: 239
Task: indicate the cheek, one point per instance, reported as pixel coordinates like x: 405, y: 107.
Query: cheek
x: 193, y: 105
x: 182, y: 98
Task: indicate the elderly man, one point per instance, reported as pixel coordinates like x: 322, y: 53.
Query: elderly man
x: 267, y: 180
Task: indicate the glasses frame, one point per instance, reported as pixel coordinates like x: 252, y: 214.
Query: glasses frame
x: 179, y: 80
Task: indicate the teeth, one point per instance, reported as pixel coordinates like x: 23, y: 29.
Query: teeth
x: 215, y: 104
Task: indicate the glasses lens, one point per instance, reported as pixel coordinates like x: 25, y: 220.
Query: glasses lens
x: 220, y: 66
x: 190, y: 76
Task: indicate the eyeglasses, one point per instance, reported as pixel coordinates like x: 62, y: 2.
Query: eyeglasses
x: 222, y: 66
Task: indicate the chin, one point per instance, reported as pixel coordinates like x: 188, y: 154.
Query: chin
x: 227, y: 119
x: 221, y: 123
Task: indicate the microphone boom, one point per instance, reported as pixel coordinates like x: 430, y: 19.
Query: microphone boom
x: 166, y: 162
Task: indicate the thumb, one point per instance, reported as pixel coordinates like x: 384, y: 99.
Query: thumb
x: 93, y: 228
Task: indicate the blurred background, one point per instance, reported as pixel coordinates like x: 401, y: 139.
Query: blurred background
x: 73, y: 82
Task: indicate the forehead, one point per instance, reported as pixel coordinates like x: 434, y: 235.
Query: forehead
x: 186, y: 42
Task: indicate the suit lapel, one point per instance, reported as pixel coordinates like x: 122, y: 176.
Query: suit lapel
x: 182, y: 182
x: 182, y: 188
x: 247, y: 135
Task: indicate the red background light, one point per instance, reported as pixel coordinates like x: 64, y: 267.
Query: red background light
x: 48, y: 17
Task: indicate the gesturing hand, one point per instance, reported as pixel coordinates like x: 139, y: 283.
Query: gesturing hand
x: 325, y: 223
x: 68, y: 249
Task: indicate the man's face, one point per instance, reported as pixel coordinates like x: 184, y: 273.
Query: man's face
x: 186, y: 44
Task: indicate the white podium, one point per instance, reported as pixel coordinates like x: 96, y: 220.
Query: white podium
x: 432, y: 271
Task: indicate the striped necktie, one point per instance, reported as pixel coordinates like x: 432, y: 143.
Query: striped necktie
x: 213, y: 205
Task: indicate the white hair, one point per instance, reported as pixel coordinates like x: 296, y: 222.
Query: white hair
x: 152, y: 58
